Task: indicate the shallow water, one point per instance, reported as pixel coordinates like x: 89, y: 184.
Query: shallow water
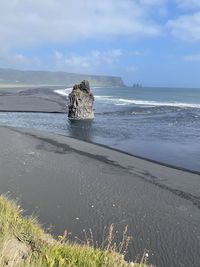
x: 165, y: 128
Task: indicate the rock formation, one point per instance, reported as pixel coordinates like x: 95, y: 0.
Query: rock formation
x: 81, y: 100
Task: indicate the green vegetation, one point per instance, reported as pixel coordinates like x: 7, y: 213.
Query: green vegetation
x: 24, y: 243
x: 18, y: 77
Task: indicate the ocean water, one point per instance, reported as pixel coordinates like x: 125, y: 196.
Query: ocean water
x: 161, y: 124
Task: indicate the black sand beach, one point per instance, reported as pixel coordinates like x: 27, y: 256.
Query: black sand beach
x: 32, y: 99
x: 70, y: 184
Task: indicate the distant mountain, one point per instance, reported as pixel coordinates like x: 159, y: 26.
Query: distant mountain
x: 19, y: 77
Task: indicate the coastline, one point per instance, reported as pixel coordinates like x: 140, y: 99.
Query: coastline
x: 106, y: 186
x: 45, y: 100
x: 131, y: 163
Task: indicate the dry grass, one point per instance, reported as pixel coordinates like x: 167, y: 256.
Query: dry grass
x: 24, y: 243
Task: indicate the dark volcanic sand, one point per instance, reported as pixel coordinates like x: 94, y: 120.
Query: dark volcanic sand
x: 76, y: 185
x: 41, y: 99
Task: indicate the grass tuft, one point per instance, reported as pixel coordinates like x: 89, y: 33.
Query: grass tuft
x: 23, y: 243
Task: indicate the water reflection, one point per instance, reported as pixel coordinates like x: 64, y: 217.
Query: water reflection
x: 82, y: 129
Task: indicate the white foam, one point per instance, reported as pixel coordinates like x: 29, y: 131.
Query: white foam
x: 122, y: 101
x: 157, y: 103
x: 63, y: 92
x: 104, y: 97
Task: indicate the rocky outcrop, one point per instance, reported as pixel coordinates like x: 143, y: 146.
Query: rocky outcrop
x: 14, y: 251
x: 81, y: 101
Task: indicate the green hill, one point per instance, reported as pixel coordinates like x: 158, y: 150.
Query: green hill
x: 19, y: 77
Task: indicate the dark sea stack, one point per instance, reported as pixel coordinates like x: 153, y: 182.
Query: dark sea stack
x: 81, y: 99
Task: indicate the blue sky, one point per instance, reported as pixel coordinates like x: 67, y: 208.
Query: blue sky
x: 152, y: 42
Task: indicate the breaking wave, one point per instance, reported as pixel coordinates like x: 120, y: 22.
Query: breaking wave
x: 63, y: 92
x: 126, y: 102
x: 122, y: 101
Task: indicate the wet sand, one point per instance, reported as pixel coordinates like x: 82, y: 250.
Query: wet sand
x: 74, y: 185
x: 34, y: 99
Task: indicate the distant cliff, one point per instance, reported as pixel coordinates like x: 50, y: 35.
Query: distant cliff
x: 18, y: 77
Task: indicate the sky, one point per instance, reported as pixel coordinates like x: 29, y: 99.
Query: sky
x: 151, y: 42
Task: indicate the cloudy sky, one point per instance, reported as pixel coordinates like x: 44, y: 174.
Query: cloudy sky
x: 153, y: 42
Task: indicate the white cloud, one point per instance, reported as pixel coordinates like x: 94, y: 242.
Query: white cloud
x: 25, y: 23
x: 194, y: 57
x: 186, y: 27
x: 58, y: 55
x: 77, y: 61
x: 131, y: 69
x: 21, y: 61
x: 188, y: 3
x: 138, y: 53
x: 153, y: 2
x: 156, y: 7
x: 20, y: 58
x: 90, y: 61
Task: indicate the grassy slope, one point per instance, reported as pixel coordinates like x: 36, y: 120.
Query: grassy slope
x: 42, y: 249
x: 10, y: 76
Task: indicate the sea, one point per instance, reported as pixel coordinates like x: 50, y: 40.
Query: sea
x: 160, y: 124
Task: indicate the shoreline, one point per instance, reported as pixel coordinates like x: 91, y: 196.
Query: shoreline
x: 99, y: 144
x: 51, y: 135
x: 32, y: 111
x: 137, y: 156
x: 46, y: 101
